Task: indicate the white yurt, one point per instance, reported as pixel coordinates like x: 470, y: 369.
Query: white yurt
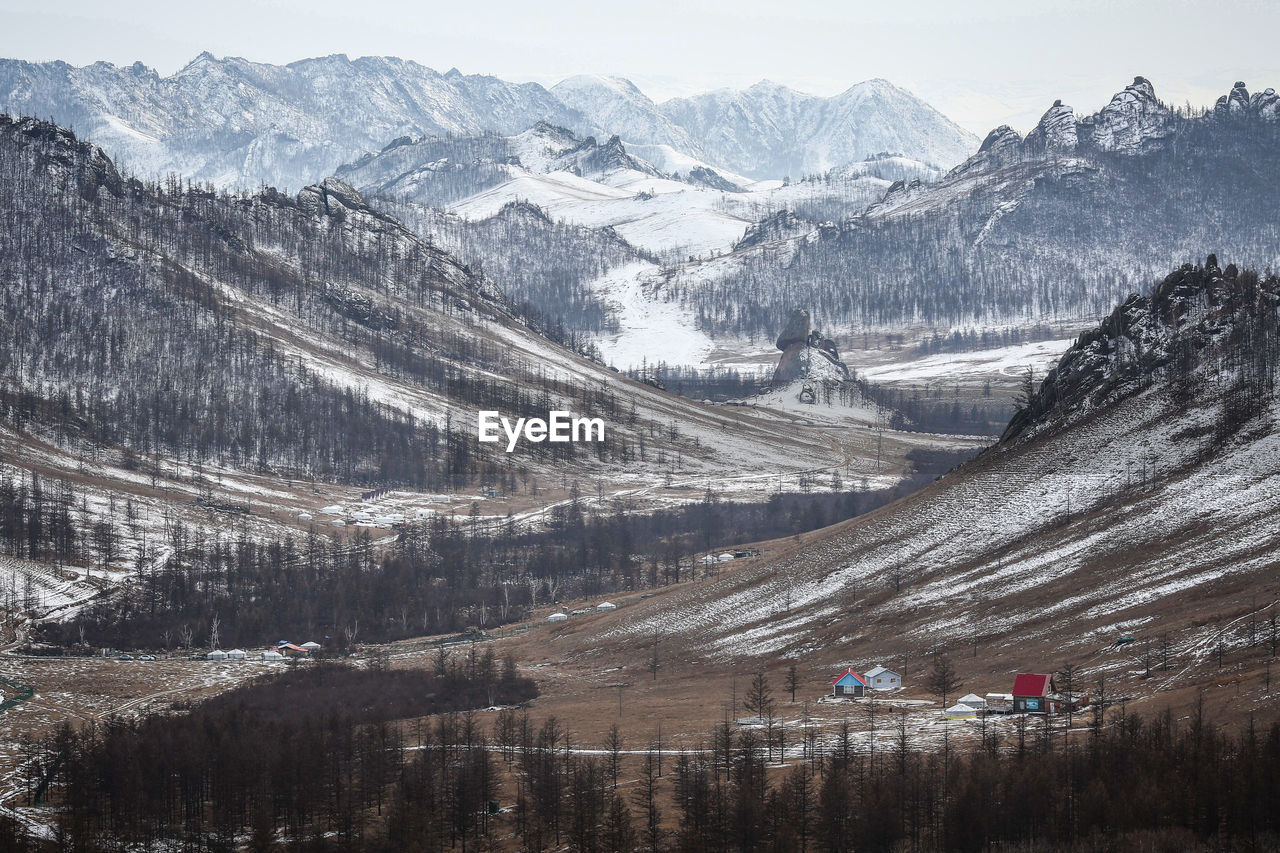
x: 606, y: 605
x: 216, y: 654
x: 557, y: 617
x: 960, y: 712
x: 272, y: 655
x: 974, y: 701
x: 337, y: 522
x: 311, y: 647
x: 304, y: 516
x: 237, y: 654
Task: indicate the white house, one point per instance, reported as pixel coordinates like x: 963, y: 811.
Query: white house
x: 1000, y: 703
x: 879, y: 678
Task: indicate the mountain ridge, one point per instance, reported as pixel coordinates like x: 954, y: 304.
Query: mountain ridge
x: 237, y: 122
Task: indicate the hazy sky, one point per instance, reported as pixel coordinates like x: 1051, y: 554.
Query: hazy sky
x: 982, y: 63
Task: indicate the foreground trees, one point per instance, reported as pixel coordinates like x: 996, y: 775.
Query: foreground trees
x: 461, y: 781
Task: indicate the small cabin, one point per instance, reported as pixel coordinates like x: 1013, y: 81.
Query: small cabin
x: 1034, y: 693
x: 880, y: 678
x: 849, y: 684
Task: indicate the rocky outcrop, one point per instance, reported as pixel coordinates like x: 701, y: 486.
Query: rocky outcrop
x: 588, y: 158
x: 774, y: 227
x: 1143, y: 338
x: 359, y: 307
x: 69, y: 159
x: 1130, y: 123
x: 1239, y: 103
x: 1133, y: 117
x: 1001, y: 147
x: 1055, y: 132
x: 1266, y: 103
x: 331, y: 197
x: 710, y: 178
x: 1235, y: 101
x: 806, y: 354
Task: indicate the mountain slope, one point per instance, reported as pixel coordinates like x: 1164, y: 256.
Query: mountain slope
x: 212, y: 344
x: 598, y: 185
x: 1137, y: 493
x: 1056, y: 227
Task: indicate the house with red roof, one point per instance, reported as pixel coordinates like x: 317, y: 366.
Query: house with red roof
x: 1034, y: 693
x: 849, y: 684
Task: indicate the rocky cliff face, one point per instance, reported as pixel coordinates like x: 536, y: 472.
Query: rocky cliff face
x: 1134, y: 121
x: 1055, y: 132
x: 1163, y: 337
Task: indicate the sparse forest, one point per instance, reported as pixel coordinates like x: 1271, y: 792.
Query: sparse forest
x: 121, y: 336
x: 441, y: 576
x: 1079, y: 239
x: 461, y: 780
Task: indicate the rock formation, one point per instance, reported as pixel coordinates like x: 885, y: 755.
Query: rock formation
x: 806, y: 354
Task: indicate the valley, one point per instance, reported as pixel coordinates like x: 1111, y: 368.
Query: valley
x: 934, y: 502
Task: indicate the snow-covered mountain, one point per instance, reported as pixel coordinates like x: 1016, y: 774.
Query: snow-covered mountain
x: 699, y: 211
x: 1053, y: 228
x: 769, y: 130
x: 239, y: 123
x: 616, y: 103
x: 234, y: 122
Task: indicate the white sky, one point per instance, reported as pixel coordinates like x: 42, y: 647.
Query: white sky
x: 982, y: 63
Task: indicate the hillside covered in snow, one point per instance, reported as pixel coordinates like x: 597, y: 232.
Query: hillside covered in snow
x: 1055, y: 227
x: 1136, y: 491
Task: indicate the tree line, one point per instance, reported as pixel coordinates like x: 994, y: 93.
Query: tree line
x: 455, y: 782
